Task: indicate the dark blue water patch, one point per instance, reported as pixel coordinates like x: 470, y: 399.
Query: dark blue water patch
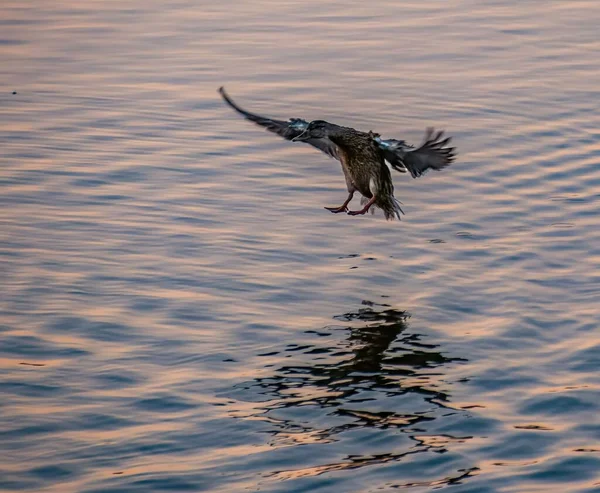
x: 520, y: 445
x: 164, y: 352
x: 160, y: 483
x: 308, y: 485
x: 27, y: 299
x: 193, y: 220
x: 21, y: 484
x: 25, y: 389
x: 112, y: 198
x: 521, y: 256
x: 163, y: 403
x: 98, y: 279
x: 52, y: 472
x: 156, y: 446
x: 12, y: 254
x: 230, y: 433
x: 117, y: 379
x: 148, y: 304
x: 20, y: 22
x: 559, y: 404
x: 587, y: 360
x: 108, y: 122
x: 102, y: 331
x: 582, y: 172
x: 14, y: 245
x: 176, y: 281
x: 562, y: 282
x: 21, y: 434
x: 127, y: 175
x: 455, y: 304
x: 186, y: 250
x: 9, y: 199
x: 564, y: 469
x: 589, y: 430
x: 215, y: 154
x: 518, y: 32
x: 36, y: 347
x: 98, y: 421
x: 15, y: 180
x: 38, y: 478
x: 498, y: 379
x: 592, y: 212
x: 466, y: 423
x: 103, y: 138
x: 471, y: 254
x: 561, y: 230
x: 89, y: 182
x: 63, y: 129
x: 191, y: 313
x: 12, y: 42
x: 70, y: 225
x: 183, y: 237
x: 546, y: 324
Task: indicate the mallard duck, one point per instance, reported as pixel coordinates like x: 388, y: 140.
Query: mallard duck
x: 366, y: 158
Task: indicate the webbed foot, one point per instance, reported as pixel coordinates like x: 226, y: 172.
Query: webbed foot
x: 364, y: 210
x: 337, y: 210
x: 358, y: 213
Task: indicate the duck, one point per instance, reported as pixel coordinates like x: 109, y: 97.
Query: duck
x: 367, y: 160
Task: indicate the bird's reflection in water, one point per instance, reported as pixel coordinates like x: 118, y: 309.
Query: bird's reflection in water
x: 379, y: 376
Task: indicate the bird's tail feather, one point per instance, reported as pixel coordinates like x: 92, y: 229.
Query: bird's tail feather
x: 390, y: 207
x: 397, y: 209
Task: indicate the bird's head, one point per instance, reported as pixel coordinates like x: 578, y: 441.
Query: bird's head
x: 317, y: 129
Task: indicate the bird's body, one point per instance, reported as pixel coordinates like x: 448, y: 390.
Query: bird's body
x: 364, y: 156
x: 365, y: 170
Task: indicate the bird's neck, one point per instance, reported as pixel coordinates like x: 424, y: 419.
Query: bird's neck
x: 341, y: 136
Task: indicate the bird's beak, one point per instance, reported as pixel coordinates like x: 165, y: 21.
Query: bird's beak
x: 303, y: 136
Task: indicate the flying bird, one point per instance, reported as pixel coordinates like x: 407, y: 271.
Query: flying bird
x: 366, y: 158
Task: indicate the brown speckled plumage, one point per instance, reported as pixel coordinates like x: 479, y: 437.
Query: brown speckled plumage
x: 364, y: 168
x: 364, y: 156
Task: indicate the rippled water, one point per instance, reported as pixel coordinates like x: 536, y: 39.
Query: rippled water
x: 179, y: 312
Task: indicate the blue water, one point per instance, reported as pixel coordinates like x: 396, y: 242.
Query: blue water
x: 179, y: 312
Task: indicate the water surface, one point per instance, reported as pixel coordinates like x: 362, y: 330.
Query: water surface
x: 179, y: 312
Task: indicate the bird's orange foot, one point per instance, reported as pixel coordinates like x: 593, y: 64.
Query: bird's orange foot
x: 365, y: 209
x: 336, y: 210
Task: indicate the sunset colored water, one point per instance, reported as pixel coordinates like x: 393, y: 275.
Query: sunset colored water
x: 179, y: 313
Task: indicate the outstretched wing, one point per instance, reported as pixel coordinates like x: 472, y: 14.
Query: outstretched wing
x: 288, y: 130
x: 390, y: 149
x: 433, y: 154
